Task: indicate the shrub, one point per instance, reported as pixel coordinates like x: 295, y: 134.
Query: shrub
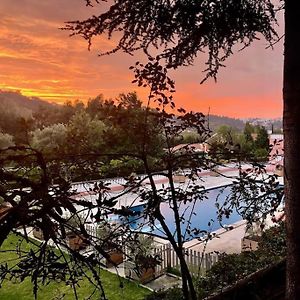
x: 233, y: 267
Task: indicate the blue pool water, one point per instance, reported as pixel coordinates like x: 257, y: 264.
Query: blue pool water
x: 204, y: 216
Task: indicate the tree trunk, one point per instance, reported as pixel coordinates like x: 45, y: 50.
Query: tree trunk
x: 291, y: 127
x: 188, y: 289
x: 186, y: 276
x: 187, y: 281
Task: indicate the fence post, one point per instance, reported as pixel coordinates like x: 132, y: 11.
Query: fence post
x: 163, y: 256
x: 168, y: 249
x: 195, y: 263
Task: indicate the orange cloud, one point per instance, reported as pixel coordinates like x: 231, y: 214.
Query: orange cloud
x: 40, y: 60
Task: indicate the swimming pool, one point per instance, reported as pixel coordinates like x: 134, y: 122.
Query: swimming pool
x: 201, y: 213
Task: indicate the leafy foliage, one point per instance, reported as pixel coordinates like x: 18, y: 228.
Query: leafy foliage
x: 179, y: 29
x: 51, y: 139
x: 233, y: 267
x: 252, y: 144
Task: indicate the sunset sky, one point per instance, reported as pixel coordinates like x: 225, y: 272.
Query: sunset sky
x: 38, y: 59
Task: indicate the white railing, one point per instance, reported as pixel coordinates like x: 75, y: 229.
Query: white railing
x: 198, y: 262
x: 91, y: 229
x: 86, y: 185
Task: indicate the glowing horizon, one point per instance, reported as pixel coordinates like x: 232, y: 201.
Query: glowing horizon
x: 39, y: 60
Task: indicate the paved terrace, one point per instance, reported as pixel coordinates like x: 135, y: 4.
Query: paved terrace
x: 209, y: 179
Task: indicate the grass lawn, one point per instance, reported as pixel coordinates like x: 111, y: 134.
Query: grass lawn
x: 23, y: 290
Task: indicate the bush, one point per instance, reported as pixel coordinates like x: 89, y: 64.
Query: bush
x: 272, y: 245
x: 261, y: 154
x: 229, y: 269
x: 233, y: 267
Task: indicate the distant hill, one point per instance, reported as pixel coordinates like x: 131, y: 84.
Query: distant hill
x: 217, y: 121
x: 16, y: 104
x: 267, y: 123
x: 16, y: 112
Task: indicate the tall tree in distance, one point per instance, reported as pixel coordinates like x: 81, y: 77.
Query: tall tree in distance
x: 179, y: 30
x: 262, y: 139
x: 248, y: 130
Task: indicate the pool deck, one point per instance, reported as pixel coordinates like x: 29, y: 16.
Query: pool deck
x: 224, y: 241
x: 228, y: 241
x: 208, y: 181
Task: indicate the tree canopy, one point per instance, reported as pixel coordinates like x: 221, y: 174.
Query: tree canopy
x: 179, y: 30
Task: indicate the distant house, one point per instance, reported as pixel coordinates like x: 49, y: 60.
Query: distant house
x: 276, y: 154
